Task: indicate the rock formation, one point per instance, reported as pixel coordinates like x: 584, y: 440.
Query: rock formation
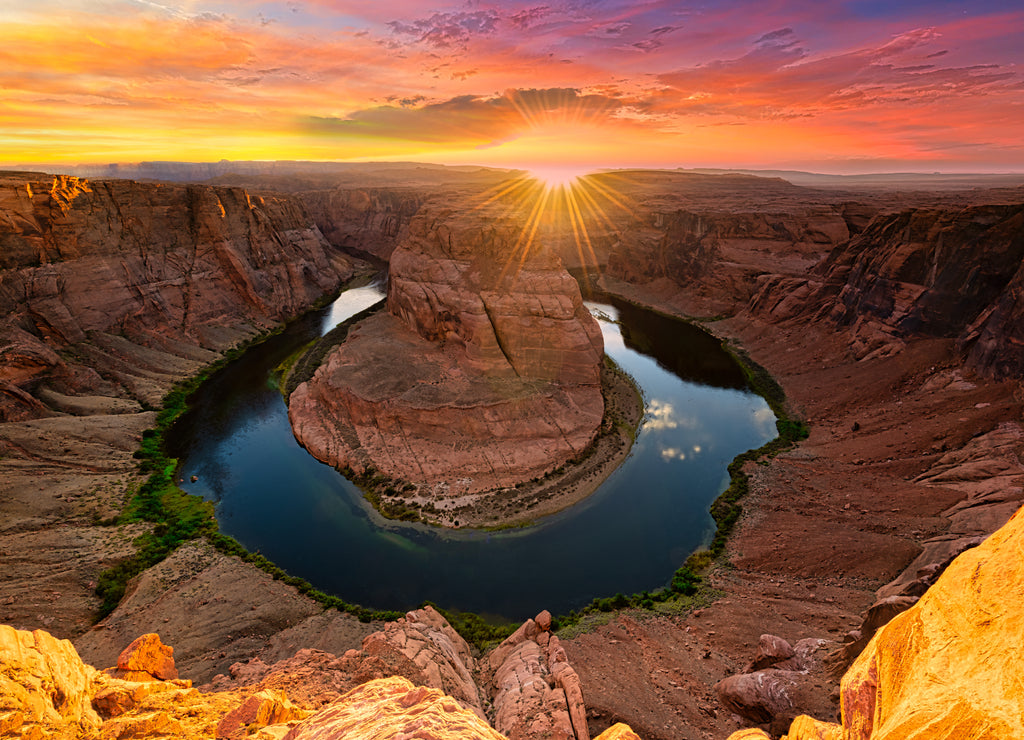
x: 536, y: 693
x: 47, y: 691
x: 949, y: 666
x: 373, y: 220
x: 120, y: 274
x: 484, y: 372
x: 954, y: 273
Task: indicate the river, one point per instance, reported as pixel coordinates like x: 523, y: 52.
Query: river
x: 631, y: 535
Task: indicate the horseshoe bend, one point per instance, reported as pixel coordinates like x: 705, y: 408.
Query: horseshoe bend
x: 484, y: 372
x: 869, y: 587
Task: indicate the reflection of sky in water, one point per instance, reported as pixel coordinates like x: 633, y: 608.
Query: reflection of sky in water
x: 663, y: 415
x: 349, y: 303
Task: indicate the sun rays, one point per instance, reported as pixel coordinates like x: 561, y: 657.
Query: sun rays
x: 555, y: 205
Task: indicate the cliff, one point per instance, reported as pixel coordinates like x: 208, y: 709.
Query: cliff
x: 96, y: 273
x: 370, y: 220
x: 949, y: 273
x: 110, y: 292
x: 485, y: 371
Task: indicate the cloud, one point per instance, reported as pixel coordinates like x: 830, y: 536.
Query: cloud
x: 482, y: 121
x: 524, y: 19
x: 780, y: 80
x: 775, y: 35
x: 648, y: 44
x: 445, y: 30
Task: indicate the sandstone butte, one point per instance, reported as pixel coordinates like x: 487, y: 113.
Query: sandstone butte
x: 484, y: 371
x: 947, y: 668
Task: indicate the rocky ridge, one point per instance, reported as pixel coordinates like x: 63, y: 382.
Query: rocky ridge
x: 484, y: 373
x: 394, y: 686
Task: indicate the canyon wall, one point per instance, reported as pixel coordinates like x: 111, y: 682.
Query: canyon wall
x: 110, y: 292
x: 484, y: 372
x: 117, y: 264
x: 949, y: 273
x: 371, y: 220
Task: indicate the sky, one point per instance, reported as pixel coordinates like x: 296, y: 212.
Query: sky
x: 837, y: 86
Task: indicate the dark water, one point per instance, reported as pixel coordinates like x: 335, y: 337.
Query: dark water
x: 629, y: 536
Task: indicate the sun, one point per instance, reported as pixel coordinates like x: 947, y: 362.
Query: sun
x: 557, y: 177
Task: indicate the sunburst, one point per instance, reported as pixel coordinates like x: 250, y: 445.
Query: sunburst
x: 554, y: 202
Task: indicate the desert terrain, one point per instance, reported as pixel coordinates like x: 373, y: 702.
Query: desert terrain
x: 891, y: 317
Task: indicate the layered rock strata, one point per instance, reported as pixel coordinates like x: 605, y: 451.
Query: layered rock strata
x: 484, y: 372
x: 953, y: 273
x: 103, y: 279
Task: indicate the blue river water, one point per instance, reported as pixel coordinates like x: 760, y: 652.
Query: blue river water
x: 630, y: 535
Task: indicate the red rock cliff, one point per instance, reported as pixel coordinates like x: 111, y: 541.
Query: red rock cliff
x: 154, y: 264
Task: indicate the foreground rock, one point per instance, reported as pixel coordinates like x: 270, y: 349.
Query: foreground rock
x: 536, y: 693
x: 484, y: 373
x: 903, y: 686
x: 392, y: 688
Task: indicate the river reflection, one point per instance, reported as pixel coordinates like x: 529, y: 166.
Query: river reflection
x: 629, y: 536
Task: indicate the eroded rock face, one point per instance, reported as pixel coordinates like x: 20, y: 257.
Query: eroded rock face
x: 393, y: 707
x: 484, y: 372
x: 425, y: 637
x: 948, y: 666
x: 371, y: 220
x: 954, y: 273
x: 535, y: 692
x: 157, y: 266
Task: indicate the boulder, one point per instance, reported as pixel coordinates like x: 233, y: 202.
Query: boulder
x: 760, y: 697
x: 146, y: 659
x: 770, y: 650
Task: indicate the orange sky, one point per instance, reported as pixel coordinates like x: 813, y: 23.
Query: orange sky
x: 857, y: 86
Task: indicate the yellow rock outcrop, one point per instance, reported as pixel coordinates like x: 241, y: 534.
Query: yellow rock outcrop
x: 949, y: 668
x: 43, y: 684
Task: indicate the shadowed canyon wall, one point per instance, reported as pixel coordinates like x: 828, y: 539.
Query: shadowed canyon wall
x: 950, y: 273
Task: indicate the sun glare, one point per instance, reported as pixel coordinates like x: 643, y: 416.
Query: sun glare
x: 556, y: 178
x: 554, y: 205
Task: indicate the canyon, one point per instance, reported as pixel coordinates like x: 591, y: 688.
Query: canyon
x: 891, y: 319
